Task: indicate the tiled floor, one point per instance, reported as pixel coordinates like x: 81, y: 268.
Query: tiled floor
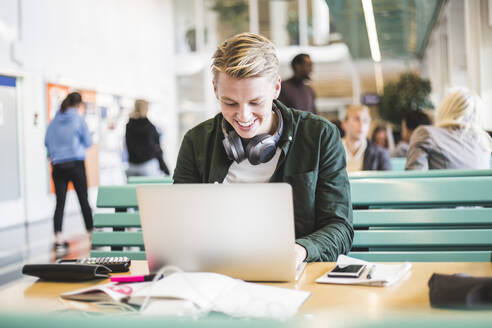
x: 34, y: 244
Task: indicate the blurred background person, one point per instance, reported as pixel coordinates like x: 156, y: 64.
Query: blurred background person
x: 296, y: 91
x: 143, y: 145
x: 412, y: 120
x: 382, y: 136
x: 362, y: 154
x: 338, y: 124
x: 66, y: 140
x: 457, y: 141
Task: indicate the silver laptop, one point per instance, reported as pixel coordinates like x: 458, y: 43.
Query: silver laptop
x: 244, y: 231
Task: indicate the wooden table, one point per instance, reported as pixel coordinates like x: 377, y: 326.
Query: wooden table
x: 410, y: 294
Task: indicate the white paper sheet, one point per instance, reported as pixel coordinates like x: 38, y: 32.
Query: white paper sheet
x: 216, y: 292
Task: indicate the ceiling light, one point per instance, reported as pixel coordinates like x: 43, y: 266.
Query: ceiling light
x: 371, y: 30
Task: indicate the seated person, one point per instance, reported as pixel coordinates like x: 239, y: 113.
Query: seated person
x: 256, y: 138
x: 362, y: 154
x: 457, y: 141
x: 412, y: 120
x: 382, y: 136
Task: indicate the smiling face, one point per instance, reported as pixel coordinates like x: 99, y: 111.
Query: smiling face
x: 246, y: 104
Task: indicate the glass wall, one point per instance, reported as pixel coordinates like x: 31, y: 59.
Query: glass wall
x: 201, y: 25
x: 185, y: 26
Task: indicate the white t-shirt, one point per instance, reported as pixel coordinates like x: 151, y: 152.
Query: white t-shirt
x: 245, y: 172
x: 355, y: 162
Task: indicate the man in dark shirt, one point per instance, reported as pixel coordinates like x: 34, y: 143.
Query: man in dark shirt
x: 295, y: 92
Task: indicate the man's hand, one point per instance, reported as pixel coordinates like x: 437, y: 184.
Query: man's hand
x: 301, y: 254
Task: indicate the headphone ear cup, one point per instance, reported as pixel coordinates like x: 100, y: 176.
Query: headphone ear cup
x: 234, y: 147
x: 261, y: 149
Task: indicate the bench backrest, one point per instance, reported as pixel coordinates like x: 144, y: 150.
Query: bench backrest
x: 419, y: 174
x: 140, y: 180
x: 450, y: 191
x: 398, y: 163
x: 423, y: 219
x: 118, y: 233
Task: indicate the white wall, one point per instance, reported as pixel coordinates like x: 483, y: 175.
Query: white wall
x: 485, y: 59
x: 119, y: 46
x: 459, y: 52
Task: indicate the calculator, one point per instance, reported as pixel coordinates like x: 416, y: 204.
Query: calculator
x: 116, y: 264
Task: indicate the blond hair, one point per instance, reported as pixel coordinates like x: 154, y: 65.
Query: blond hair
x: 141, y: 109
x: 463, y: 108
x: 355, y: 108
x: 246, y: 55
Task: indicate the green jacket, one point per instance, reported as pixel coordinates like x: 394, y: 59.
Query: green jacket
x: 312, y: 162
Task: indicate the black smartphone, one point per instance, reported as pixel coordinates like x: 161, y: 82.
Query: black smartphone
x: 349, y: 271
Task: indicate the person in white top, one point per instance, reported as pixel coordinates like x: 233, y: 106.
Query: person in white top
x: 362, y: 154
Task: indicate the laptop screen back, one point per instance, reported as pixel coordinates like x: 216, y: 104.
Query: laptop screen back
x: 245, y: 231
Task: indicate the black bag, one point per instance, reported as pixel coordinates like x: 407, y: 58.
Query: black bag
x: 460, y: 291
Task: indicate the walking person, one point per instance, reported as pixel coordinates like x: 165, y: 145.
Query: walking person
x: 66, y: 140
x: 143, y: 144
x: 297, y: 92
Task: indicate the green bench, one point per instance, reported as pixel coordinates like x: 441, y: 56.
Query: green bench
x: 423, y: 219
x: 419, y: 174
x: 119, y: 230
x: 141, y: 180
x: 80, y: 319
x: 398, y: 163
x: 420, y: 219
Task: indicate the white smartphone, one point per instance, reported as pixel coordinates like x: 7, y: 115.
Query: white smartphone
x: 349, y: 271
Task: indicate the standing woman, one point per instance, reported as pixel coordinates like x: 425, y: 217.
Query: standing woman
x: 142, y: 143
x: 66, y: 140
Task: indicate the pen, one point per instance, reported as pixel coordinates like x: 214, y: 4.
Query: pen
x: 371, y: 271
x: 141, y: 278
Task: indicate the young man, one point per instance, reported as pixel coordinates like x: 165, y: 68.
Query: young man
x: 296, y: 92
x: 256, y: 138
x: 362, y: 154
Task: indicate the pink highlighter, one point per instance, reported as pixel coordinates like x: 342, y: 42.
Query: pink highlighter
x: 141, y: 278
